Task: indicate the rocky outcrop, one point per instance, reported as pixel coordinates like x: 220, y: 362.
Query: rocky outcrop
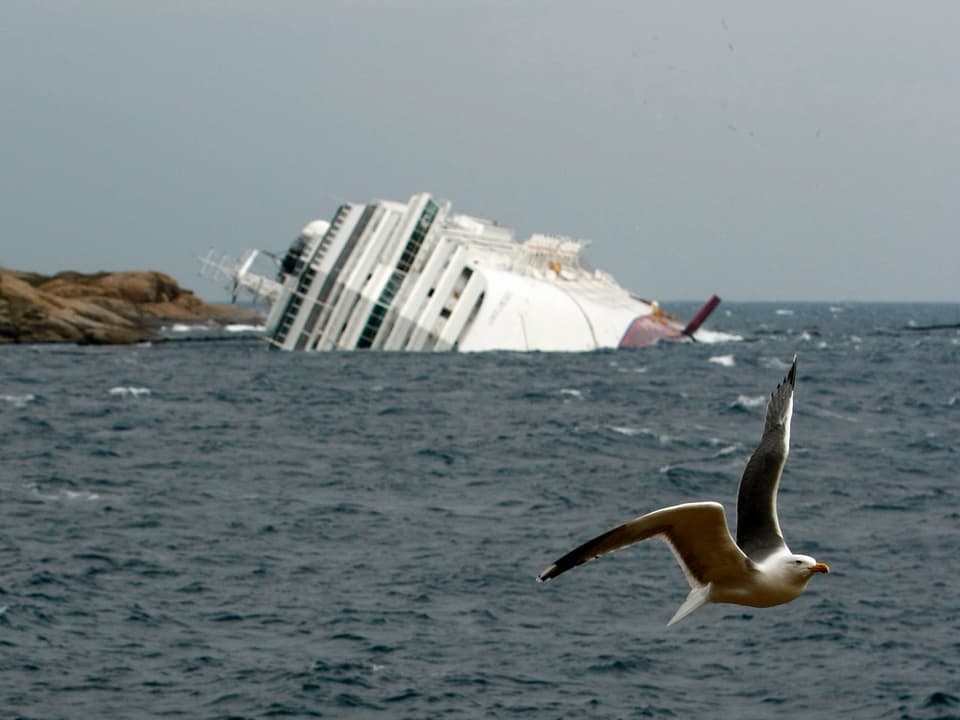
x: 116, y: 307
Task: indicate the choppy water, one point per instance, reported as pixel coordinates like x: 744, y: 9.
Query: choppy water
x: 211, y: 530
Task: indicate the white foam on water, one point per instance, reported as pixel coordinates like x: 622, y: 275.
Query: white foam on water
x: 68, y: 495
x: 774, y: 363
x: 644, y: 432
x: 724, y: 360
x: 784, y: 311
x: 77, y: 495
x: 18, y: 400
x: 750, y: 401
x: 571, y: 392
x: 728, y: 450
x: 823, y: 412
x: 714, y: 337
x: 129, y: 391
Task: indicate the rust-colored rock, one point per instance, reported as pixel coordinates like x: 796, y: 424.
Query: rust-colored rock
x: 103, y: 308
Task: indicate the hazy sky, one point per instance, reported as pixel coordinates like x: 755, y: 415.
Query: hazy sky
x: 760, y: 150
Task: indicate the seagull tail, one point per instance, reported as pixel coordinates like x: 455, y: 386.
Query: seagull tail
x: 697, y: 597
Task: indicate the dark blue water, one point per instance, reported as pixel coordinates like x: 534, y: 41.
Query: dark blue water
x: 212, y: 530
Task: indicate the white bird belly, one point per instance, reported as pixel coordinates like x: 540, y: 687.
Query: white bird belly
x: 764, y: 591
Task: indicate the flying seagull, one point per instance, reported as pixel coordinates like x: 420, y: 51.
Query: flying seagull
x: 758, y: 569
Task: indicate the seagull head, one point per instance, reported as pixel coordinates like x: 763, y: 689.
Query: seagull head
x: 803, y: 567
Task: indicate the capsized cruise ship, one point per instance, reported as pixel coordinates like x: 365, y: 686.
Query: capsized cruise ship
x: 417, y: 276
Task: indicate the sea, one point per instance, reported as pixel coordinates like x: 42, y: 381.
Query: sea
x: 205, y: 528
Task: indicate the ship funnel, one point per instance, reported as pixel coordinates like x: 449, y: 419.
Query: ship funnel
x: 701, y: 316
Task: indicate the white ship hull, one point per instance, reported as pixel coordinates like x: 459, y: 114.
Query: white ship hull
x: 414, y: 276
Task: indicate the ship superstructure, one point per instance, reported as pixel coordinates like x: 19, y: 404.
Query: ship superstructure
x: 416, y: 276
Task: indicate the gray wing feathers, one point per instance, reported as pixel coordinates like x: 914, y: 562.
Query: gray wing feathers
x: 758, y: 529
x: 696, y: 532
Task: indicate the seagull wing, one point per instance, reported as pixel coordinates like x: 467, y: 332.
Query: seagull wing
x: 696, y: 532
x: 758, y: 530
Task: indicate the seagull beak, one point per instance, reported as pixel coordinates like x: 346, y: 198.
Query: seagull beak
x: 820, y: 567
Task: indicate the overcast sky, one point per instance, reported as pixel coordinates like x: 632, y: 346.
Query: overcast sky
x: 760, y: 150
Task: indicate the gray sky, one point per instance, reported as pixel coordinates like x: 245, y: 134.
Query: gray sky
x: 760, y: 150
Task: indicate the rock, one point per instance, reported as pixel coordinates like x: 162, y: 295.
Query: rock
x: 103, y: 308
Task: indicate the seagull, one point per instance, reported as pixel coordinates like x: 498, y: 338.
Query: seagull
x: 758, y: 570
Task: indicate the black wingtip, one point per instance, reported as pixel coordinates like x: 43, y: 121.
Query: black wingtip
x: 548, y: 574
x: 790, y: 379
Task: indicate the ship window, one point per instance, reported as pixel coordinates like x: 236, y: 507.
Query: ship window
x: 373, y: 325
x: 390, y: 290
x: 316, y: 323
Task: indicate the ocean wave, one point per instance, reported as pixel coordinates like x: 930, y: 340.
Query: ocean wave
x: 276, y: 533
x: 722, y: 360
x: 627, y: 431
x: 18, y: 401
x: 748, y: 402
x: 728, y: 450
x: 716, y: 337
x: 63, y: 494
x: 129, y: 391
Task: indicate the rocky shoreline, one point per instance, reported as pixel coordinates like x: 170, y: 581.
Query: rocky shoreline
x: 102, y: 308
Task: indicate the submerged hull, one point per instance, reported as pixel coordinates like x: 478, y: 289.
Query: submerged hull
x: 415, y: 276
